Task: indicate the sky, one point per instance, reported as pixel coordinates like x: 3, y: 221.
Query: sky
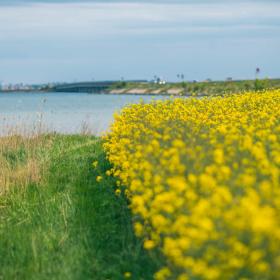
x: 67, y: 40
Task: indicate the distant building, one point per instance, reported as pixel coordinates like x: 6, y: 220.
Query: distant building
x: 159, y: 81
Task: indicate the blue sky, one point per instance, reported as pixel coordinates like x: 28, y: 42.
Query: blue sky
x: 68, y: 40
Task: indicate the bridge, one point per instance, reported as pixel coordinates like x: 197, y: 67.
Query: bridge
x: 90, y: 87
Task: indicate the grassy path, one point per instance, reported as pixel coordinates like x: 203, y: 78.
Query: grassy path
x: 69, y: 226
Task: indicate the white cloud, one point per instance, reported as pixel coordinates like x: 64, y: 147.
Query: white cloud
x: 73, y: 20
x: 40, y: 42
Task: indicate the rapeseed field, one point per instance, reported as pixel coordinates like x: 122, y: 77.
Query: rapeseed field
x: 202, y: 179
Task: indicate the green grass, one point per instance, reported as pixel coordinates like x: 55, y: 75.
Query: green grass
x: 68, y: 226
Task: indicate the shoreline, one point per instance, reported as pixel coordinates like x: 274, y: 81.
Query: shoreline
x: 106, y: 93
x: 183, y: 88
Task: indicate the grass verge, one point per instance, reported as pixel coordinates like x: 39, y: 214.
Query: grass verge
x: 67, y: 225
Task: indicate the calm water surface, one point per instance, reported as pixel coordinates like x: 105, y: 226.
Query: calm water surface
x: 61, y: 112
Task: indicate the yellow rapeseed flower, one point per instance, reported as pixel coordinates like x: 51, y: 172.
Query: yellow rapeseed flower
x: 118, y: 192
x: 203, y: 179
x: 149, y: 244
x: 99, y: 179
x: 127, y: 275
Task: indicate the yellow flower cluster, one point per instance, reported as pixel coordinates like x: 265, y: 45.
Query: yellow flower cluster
x: 203, y: 177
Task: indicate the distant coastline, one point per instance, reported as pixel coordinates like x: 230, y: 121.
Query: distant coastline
x: 142, y: 87
x: 22, y: 91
